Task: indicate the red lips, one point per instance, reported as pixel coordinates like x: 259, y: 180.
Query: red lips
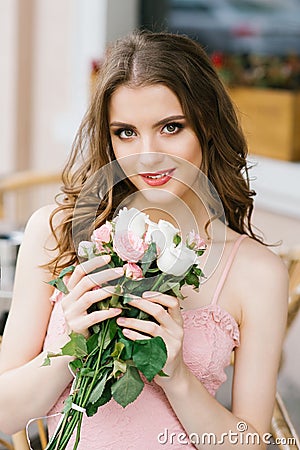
x: 157, y: 178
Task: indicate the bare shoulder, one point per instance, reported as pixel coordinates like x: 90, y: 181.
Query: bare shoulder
x: 258, y: 259
x: 30, y: 307
x: 38, y: 231
x: 262, y: 277
x: 40, y: 219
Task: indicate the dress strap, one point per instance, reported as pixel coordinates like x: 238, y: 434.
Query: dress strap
x: 227, y: 268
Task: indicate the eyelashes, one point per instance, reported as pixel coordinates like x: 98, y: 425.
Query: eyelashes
x: 124, y: 133
x: 169, y: 129
x: 174, y: 127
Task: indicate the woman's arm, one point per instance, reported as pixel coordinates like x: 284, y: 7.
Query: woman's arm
x: 28, y: 390
x: 261, y: 286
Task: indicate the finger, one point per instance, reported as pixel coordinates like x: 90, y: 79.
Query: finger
x: 96, y: 279
x: 86, y: 300
x: 133, y: 335
x: 82, y: 323
x: 83, y: 269
x: 145, y: 326
x: 156, y: 307
x: 170, y: 302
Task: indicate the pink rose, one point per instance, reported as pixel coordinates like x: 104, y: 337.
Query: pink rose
x: 195, y: 242
x: 133, y: 271
x: 128, y: 246
x: 102, y: 234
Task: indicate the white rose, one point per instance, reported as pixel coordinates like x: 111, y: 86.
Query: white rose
x: 162, y: 233
x: 131, y: 220
x: 86, y: 249
x: 176, y: 260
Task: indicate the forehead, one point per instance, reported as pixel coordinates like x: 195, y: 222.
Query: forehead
x: 154, y: 100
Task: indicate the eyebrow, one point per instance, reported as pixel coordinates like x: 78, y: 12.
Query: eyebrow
x: 160, y: 122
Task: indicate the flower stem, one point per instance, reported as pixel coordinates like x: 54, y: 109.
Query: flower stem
x: 78, y: 431
x: 84, y: 385
x: 104, y: 330
x: 158, y: 281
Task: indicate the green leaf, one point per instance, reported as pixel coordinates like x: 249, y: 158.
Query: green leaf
x: 92, y: 408
x: 46, y: 362
x: 68, y: 404
x: 86, y: 372
x: 115, y: 298
x: 176, y: 290
x: 59, y: 284
x: 108, y: 334
x: 118, y: 349
x: 149, y: 256
x: 192, y: 279
x: 197, y: 271
x: 169, y: 284
x: 66, y: 270
x: 150, y: 356
x: 76, y: 346
x: 154, y: 270
x: 92, y: 342
x: 127, y: 349
x: 139, y: 286
x: 129, y: 285
x: 161, y: 373
x: 176, y: 239
x: 127, y: 298
x: 75, y: 364
x: 98, y: 389
x: 117, y: 262
x: 143, y: 316
x: 119, y: 367
x: 127, y: 388
x: 112, y: 328
x: 132, y: 312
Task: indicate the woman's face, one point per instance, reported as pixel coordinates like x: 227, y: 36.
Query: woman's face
x: 153, y: 141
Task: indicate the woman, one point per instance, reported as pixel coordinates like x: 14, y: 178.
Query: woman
x: 160, y: 113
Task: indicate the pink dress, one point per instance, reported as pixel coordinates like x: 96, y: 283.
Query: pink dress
x: 210, y: 335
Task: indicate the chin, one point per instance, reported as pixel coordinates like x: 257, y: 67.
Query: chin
x: 161, y: 196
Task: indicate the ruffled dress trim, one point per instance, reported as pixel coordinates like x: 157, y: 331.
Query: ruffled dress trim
x: 203, y: 315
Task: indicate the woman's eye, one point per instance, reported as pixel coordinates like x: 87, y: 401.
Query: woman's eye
x: 172, y: 128
x: 125, y: 133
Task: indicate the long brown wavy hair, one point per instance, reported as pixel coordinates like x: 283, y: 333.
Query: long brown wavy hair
x: 140, y: 59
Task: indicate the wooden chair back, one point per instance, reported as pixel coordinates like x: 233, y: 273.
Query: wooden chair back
x: 23, y: 192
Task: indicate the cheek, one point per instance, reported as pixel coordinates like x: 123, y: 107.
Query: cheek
x: 193, y: 153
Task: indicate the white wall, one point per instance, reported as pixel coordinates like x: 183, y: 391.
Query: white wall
x: 68, y: 35
x: 122, y: 17
x: 8, y: 43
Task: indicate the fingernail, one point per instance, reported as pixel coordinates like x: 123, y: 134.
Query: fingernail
x: 148, y: 294
x: 126, y: 332
x: 116, y: 310
x: 109, y: 289
x: 106, y: 258
x: 119, y: 270
x: 120, y: 320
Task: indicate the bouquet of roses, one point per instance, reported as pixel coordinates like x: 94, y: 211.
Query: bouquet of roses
x: 107, y: 364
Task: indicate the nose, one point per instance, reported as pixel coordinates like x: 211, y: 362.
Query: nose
x: 149, y: 153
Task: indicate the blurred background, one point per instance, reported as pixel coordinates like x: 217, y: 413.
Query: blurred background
x: 50, y: 51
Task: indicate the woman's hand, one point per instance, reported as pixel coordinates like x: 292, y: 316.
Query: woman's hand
x: 82, y: 295
x: 166, y: 311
